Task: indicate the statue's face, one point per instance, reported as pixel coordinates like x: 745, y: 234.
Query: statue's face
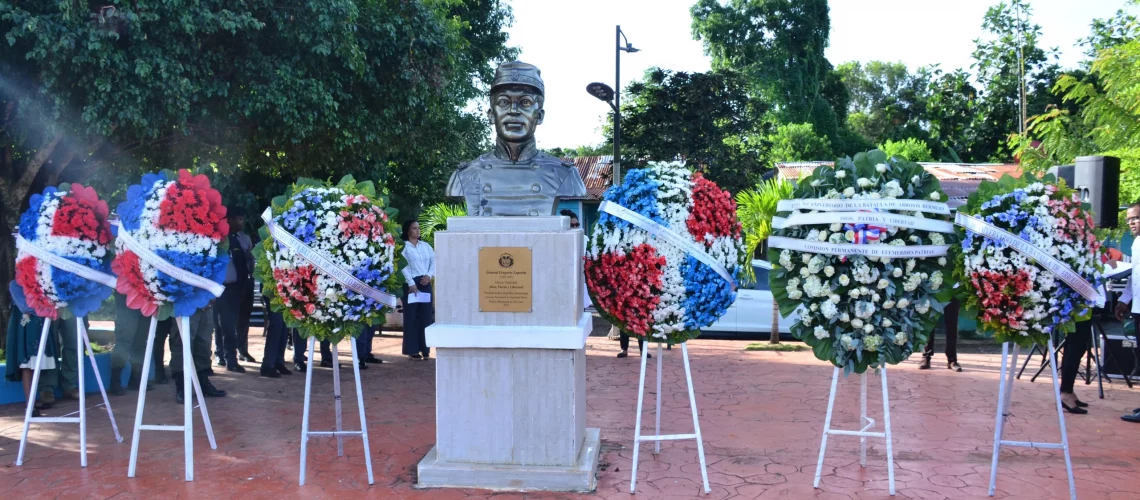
x: 516, y: 110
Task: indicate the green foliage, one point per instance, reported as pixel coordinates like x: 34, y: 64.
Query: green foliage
x: 434, y: 218
x: 779, y: 46
x: 887, y: 101
x: 798, y: 142
x: 338, y: 329
x: 706, y: 119
x: 755, y: 209
x: 581, y: 151
x: 908, y: 149
x: 777, y: 347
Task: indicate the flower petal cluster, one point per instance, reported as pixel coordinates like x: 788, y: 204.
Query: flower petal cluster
x: 1014, y: 296
x: 647, y: 286
x: 180, y: 218
x: 860, y: 312
x: 347, y: 224
x: 70, y: 222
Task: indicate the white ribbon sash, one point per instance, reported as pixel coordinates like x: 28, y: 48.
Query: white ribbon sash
x: 331, y: 269
x: 933, y: 207
x: 161, y: 264
x: 63, y: 264
x: 876, y: 218
x: 844, y: 249
x: 1050, y: 263
x: 670, y: 236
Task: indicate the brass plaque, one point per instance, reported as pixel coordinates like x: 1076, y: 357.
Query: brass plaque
x: 505, y: 279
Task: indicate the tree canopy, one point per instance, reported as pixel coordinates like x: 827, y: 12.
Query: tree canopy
x: 256, y: 92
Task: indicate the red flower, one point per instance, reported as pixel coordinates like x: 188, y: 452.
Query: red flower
x: 26, y: 273
x: 132, y: 284
x: 192, y: 206
x: 713, y: 212
x: 628, y: 286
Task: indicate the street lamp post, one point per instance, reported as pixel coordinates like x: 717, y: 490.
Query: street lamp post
x: 613, y: 98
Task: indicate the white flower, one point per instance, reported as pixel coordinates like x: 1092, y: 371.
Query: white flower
x: 898, y: 272
x: 922, y: 307
x: 836, y: 227
x: 883, y: 283
x: 804, y: 272
x: 823, y: 235
x: 910, y: 265
x: 806, y: 258
x: 937, y: 239
x: 806, y: 319
x: 844, y: 280
x: 849, y: 192
x: 828, y: 309
x: 902, y: 303
x: 829, y: 271
x: 936, y: 196
x: 888, y: 304
x: 835, y: 298
x: 821, y: 333
x: 880, y: 168
x: 864, y: 309
x: 900, y: 338
x: 887, y: 323
x: 914, y: 180
x: 936, y: 279
x: 864, y: 182
x: 868, y: 328
x: 815, y: 183
x: 845, y: 317
x: 854, y: 293
x: 856, y: 323
x: 839, y: 174
x: 942, y: 261
x: 847, y: 342
x: 786, y: 259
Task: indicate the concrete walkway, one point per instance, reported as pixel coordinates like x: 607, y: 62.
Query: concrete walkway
x: 761, y: 414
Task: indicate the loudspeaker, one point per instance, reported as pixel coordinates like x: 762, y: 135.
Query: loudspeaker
x: 1097, y: 180
x: 1123, y: 353
x: 1062, y: 172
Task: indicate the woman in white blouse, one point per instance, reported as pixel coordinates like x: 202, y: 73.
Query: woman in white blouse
x: 418, y: 313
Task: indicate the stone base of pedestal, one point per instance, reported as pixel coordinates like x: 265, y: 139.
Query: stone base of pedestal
x: 434, y: 473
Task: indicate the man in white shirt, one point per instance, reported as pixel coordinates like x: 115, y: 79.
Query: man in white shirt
x: 1127, y: 305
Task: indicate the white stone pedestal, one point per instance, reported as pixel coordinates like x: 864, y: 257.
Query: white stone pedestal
x: 511, y: 387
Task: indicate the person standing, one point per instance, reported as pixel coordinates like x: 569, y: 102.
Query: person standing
x: 201, y: 331
x: 1127, y: 305
x: 624, y: 342
x: 158, y: 352
x: 276, y: 333
x: 69, y: 360
x: 239, y: 286
x: 418, y: 313
x: 131, y: 330
x: 364, y: 347
x: 1076, y: 345
x: 23, y: 346
x: 950, y: 323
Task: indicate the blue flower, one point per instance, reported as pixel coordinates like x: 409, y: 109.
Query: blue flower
x: 707, y: 296
x: 186, y: 298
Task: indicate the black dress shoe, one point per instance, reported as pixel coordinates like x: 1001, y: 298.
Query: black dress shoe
x: 236, y: 368
x: 282, y: 370
x: 1133, y: 417
x: 299, y: 367
x: 1082, y: 404
x: 373, y: 359
x: 210, y: 391
x: 363, y: 366
x: 326, y: 363
x: 220, y: 361
x: 271, y: 373
x: 1074, y: 410
x: 247, y: 358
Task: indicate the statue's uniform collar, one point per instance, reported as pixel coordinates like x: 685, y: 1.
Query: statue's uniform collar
x: 527, y: 153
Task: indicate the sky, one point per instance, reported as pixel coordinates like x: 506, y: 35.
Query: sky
x: 572, y: 42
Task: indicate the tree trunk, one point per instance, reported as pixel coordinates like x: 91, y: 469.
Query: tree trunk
x: 775, y: 338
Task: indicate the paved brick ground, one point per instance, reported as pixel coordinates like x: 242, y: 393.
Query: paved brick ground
x: 761, y: 414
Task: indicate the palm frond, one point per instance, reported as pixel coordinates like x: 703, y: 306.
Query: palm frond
x: 434, y: 218
x: 755, y: 209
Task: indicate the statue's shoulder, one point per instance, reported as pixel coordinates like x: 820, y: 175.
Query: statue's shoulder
x: 569, y: 181
x: 466, y: 174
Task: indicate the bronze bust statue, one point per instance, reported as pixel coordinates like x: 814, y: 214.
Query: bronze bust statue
x: 515, y: 179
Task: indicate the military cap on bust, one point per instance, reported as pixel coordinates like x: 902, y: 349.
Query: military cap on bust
x: 518, y: 73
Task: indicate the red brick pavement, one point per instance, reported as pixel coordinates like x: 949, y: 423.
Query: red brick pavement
x: 761, y: 414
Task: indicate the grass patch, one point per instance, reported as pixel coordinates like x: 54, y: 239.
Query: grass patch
x: 781, y: 347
